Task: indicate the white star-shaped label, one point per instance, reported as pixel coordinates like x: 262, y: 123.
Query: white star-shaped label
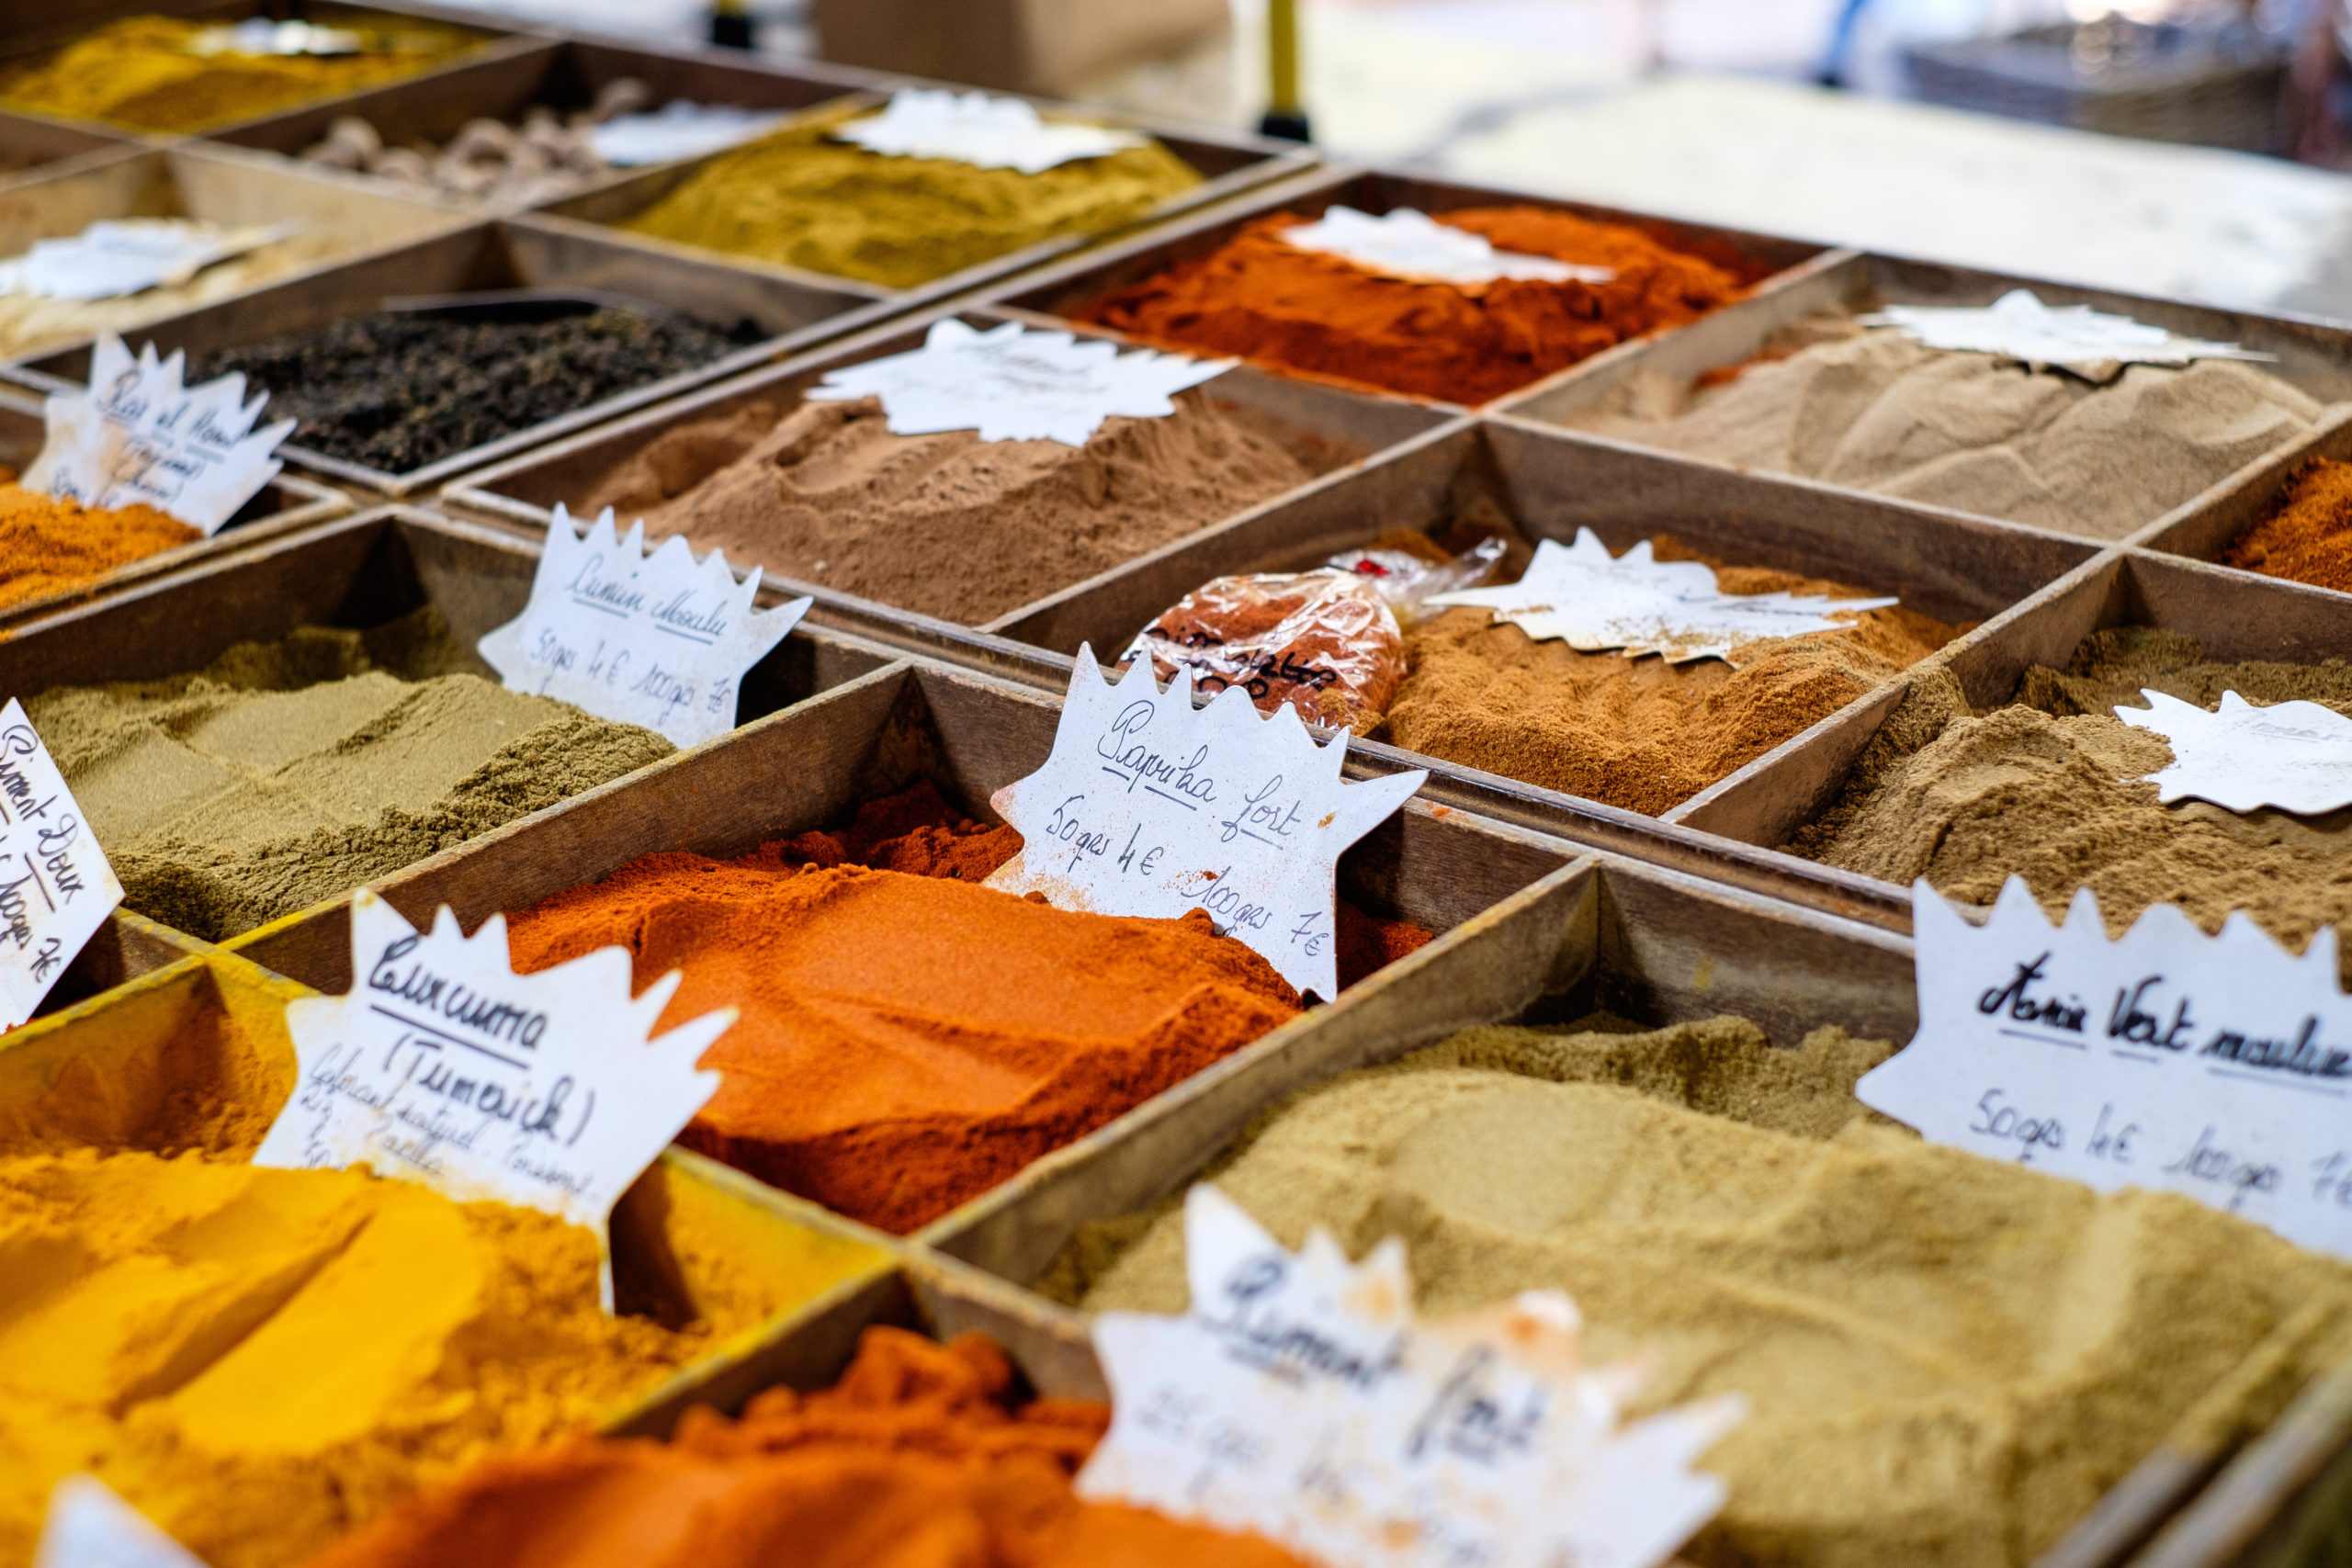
x: 1407, y: 243
x: 90, y: 1527
x: 1582, y: 595
x: 977, y: 128
x: 1151, y: 807
x: 2294, y: 756
x: 444, y: 1067
x: 1302, y: 1400
x: 2019, y: 326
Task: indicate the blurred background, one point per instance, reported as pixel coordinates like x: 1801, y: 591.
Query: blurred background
x: 2194, y: 148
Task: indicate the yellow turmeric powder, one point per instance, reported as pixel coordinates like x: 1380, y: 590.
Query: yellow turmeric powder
x: 153, y: 73
x: 48, y: 545
x: 262, y: 1359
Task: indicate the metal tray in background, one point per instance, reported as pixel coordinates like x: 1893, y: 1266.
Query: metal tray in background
x: 1068, y: 285
x: 357, y: 573
x: 562, y: 73
x: 1602, y: 932
x: 288, y: 502
x: 215, y: 184
x: 523, y: 491
x: 2315, y: 356
x: 128, y: 1039
x: 496, y: 255
x: 1228, y: 161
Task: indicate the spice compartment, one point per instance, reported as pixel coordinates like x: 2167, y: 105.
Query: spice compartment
x: 1647, y: 944
x: 1066, y: 287
x: 2314, y: 356
x: 561, y: 72
x: 2202, y: 532
x: 340, y: 218
x: 212, y: 1023
x: 286, y: 503
x: 1229, y: 163
x: 512, y: 254
x: 35, y: 146
x: 1339, y: 430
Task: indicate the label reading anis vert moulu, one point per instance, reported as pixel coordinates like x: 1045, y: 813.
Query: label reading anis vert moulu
x: 56, y: 888
x: 2219, y: 1067
x: 444, y: 1067
x: 1151, y: 807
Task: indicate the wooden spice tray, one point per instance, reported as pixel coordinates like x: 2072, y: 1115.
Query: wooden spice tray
x: 1603, y: 932
x: 285, y: 504
x: 524, y: 492
x: 354, y: 572
x: 214, y: 185
x: 2313, y: 356
x: 561, y: 72
x: 1228, y: 161
x: 51, y: 147
x: 1066, y: 287
x: 503, y: 255
x: 127, y: 1039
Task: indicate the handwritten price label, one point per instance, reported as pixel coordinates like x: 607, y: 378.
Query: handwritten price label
x: 56, y: 888
x: 2217, y: 1067
x: 1150, y: 807
x: 655, y: 638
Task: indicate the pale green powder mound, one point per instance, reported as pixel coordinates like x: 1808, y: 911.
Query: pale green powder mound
x: 292, y: 772
x: 1948, y: 1360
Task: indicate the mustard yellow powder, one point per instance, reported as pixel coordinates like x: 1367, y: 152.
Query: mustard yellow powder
x: 803, y: 199
x: 1948, y: 1359
x: 139, y: 72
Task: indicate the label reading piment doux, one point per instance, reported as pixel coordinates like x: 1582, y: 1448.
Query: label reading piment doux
x: 2019, y: 326
x: 1299, y: 1399
x: 1409, y: 245
x: 139, y: 437
x: 1151, y: 807
x: 2294, y: 756
x: 1634, y: 601
x: 976, y: 128
x: 90, y: 1527
x: 1014, y: 383
x: 444, y: 1067
x: 56, y: 888
x: 2219, y: 1067
x: 659, y: 639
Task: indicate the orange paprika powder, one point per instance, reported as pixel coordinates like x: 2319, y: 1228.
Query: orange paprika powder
x: 49, y: 544
x: 918, y: 1458
x: 909, y: 1039
x: 1314, y: 313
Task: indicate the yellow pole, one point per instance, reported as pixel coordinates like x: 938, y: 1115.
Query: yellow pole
x: 1285, y: 111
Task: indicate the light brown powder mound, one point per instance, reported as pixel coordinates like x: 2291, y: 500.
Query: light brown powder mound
x: 2052, y: 788
x: 1876, y: 411
x: 1948, y: 1360
x: 1638, y: 733
x: 945, y: 524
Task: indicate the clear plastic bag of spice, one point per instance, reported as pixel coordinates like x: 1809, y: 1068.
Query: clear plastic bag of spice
x: 1329, y: 644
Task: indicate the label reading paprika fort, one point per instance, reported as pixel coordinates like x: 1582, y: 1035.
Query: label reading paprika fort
x: 1582, y: 595
x: 444, y: 1067
x: 1299, y: 1399
x: 1151, y: 807
x: 56, y: 888
x: 659, y: 639
x: 139, y: 436
x: 1014, y: 383
x: 2295, y: 756
x: 2218, y: 1067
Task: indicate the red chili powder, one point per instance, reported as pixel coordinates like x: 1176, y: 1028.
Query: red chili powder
x: 918, y: 1458
x: 2308, y: 536
x: 909, y: 1040
x: 1310, y: 312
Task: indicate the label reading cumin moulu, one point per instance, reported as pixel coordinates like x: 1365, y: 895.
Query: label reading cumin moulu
x: 2218, y: 1067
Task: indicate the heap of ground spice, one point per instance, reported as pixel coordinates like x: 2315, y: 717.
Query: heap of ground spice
x: 920, y: 1456
x: 399, y: 389
x: 806, y: 199
x: 946, y: 523
x: 1947, y: 1360
x: 908, y: 1038
x: 2307, y: 536
x: 2053, y: 787
x: 50, y: 546
x: 157, y: 72
x: 1312, y: 312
